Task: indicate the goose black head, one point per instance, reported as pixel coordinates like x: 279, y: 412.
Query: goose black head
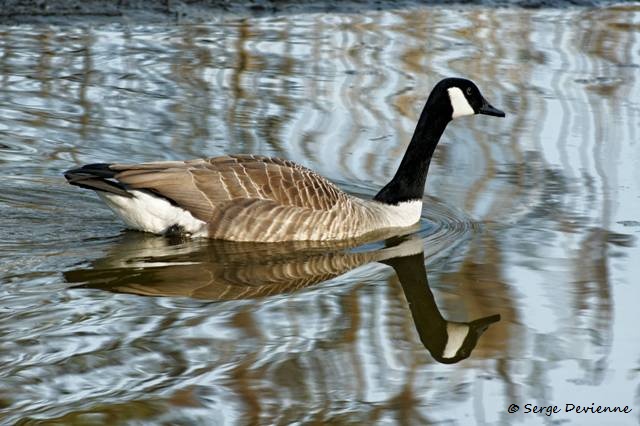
x: 462, y: 97
x: 450, y: 98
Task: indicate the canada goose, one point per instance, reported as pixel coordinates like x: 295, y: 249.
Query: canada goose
x: 261, y: 199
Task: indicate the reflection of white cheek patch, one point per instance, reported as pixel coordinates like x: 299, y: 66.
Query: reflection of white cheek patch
x: 459, y: 103
x: 456, y: 334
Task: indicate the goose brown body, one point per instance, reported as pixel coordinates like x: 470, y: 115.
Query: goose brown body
x: 251, y: 198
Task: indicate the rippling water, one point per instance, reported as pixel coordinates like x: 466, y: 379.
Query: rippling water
x: 534, y: 218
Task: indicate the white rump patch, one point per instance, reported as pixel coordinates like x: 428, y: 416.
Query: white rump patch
x: 147, y: 212
x: 456, y: 334
x: 404, y: 214
x: 459, y: 103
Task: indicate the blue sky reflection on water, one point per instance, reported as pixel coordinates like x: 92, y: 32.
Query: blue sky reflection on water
x: 534, y: 217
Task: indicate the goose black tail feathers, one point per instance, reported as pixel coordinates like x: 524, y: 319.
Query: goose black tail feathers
x: 97, y: 177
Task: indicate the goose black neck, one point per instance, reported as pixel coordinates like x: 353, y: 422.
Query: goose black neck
x: 409, y: 181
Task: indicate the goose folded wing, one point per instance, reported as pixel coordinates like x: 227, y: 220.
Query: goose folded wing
x: 203, y: 186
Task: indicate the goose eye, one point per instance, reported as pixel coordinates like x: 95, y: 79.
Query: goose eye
x: 469, y: 91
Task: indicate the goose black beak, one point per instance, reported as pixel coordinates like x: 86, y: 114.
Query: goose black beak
x: 488, y: 109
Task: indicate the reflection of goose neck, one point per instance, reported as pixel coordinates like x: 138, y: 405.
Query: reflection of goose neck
x: 430, y: 324
x: 447, y: 341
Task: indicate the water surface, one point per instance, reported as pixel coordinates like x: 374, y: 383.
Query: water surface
x: 534, y: 218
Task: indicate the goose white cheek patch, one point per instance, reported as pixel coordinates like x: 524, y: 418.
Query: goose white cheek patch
x: 459, y: 103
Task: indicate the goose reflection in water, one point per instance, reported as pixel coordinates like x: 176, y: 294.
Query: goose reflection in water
x: 223, y: 270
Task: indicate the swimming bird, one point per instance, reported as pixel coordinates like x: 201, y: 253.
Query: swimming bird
x: 263, y: 199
